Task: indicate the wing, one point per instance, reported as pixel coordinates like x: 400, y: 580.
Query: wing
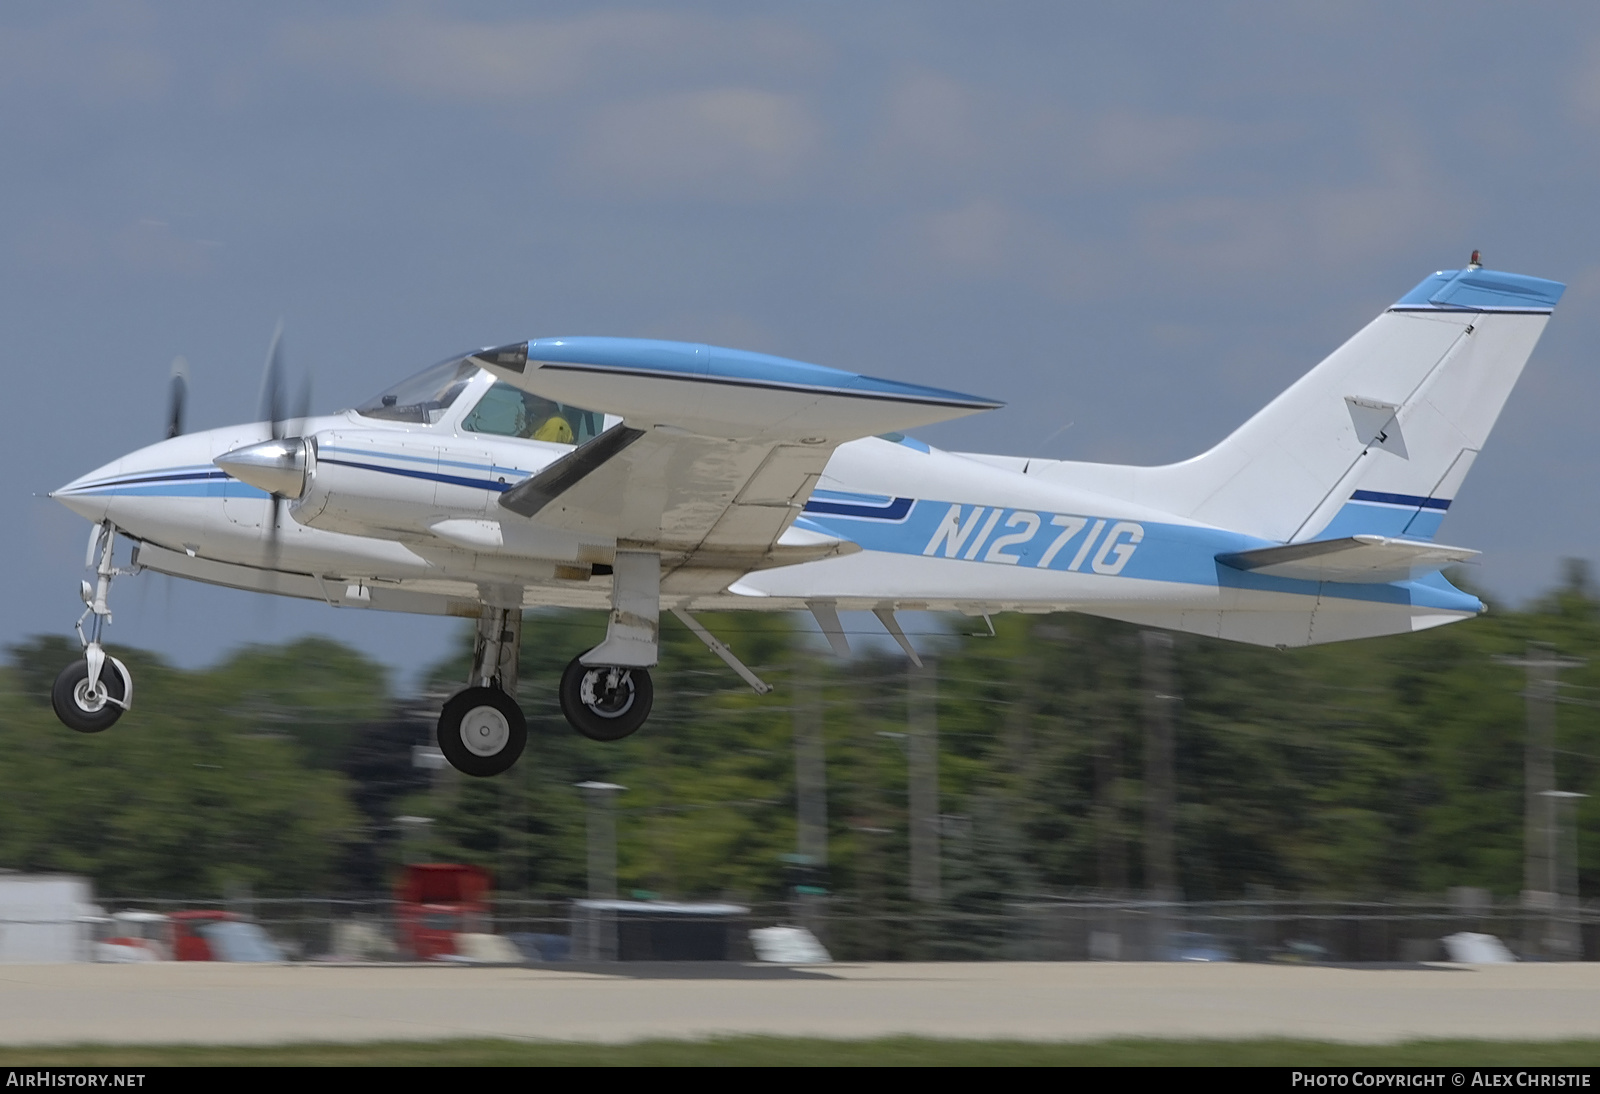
x: 717, y: 450
x: 1363, y: 560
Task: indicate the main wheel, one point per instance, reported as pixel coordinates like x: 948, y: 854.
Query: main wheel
x: 80, y: 708
x: 605, y: 703
x: 482, y: 731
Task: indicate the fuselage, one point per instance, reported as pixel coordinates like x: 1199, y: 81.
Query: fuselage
x: 404, y: 516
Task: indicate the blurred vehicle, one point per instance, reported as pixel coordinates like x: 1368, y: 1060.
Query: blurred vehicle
x: 788, y: 946
x: 361, y: 940
x: 1196, y: 946
x: 238, y: 940
x: 132, y: 937
x: 204, y: 934
x: 1298, y: 952
x: 542, y: 947
x: 189, y: 933
x: 434, y: 903
x: 1468, y: 948
x: 657, y: 930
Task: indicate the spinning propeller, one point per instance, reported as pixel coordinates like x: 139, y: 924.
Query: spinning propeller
x: 177, y: 397
x: 277, y: 466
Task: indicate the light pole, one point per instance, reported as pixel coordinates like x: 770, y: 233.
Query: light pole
x: 596, y: 936
x: 1541, y: 663
x: 601, y: 817
x: 1562, y: 937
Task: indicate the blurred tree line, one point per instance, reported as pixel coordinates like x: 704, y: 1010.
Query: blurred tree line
x: 1379, y: 767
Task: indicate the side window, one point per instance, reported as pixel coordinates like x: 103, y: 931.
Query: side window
x: 508, y: 411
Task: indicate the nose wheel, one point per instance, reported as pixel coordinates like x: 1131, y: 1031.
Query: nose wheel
x: 89, y: 706
x: 605, y: 702
x: 90, y: 695
x: 482, y: 731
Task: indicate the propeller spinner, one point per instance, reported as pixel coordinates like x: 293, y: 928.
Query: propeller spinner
x: 278, y: 466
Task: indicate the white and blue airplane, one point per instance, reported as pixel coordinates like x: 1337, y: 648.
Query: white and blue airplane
x: 634, y: 475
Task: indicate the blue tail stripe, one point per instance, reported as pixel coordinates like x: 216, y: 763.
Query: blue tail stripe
x: 1401, y: 499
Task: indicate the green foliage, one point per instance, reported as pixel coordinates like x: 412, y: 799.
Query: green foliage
x: 1367, y: 768
x: 188, y: 794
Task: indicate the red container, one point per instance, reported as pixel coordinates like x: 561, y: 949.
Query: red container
x: 435, y: 902
x: 188, y: 943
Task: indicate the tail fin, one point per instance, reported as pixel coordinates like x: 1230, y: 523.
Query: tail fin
x: 1375, y: 439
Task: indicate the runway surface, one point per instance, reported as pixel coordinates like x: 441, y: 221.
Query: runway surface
x: 244, y: 1004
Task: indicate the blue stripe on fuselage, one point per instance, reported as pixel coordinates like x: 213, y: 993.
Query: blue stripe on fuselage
x: 1102, y: 546
x: 1402, y: 515
x: 432, y: 476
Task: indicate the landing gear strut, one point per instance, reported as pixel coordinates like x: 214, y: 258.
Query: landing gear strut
x: 481, y: 729
x: 90, y: 695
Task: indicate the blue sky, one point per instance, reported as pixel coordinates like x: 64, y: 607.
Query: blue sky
x: 1134, y: 223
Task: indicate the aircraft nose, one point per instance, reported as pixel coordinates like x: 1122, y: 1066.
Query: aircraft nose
x: 90, y: 495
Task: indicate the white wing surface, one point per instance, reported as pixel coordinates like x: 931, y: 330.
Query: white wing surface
x: 717, y: 450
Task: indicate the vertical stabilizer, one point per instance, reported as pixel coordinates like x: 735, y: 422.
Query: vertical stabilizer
x: 1375, y: 439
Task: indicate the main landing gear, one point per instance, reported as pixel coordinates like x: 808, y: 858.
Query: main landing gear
x: 605, y: 693
x: 481, y: 729
x: 90, y: 695
x: 605, y: 702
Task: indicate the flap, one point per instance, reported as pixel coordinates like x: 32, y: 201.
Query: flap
x: 1362, y: 560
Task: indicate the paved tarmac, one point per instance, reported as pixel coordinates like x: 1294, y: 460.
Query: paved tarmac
x: 238, y: 1004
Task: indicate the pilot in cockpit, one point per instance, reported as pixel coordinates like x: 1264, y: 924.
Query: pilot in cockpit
x: 508, y: 412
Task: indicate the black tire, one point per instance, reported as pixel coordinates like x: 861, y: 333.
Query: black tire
x: 81, y: 711
x: 482, y: 731
x: 611, y: 714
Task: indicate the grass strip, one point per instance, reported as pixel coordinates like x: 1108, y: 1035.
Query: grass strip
x: 818, y: 1052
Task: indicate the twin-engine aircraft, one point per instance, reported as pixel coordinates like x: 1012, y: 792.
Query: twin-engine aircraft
x: 644, y: 475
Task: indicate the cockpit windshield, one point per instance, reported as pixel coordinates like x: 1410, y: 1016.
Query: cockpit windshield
x: 509, y: 411
x: 425, y: 396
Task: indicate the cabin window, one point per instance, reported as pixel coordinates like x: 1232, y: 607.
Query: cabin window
x: 508, y: 411
x: 425, y: 396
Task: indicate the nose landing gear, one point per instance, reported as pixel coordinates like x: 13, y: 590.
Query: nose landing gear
x: 90, y: 695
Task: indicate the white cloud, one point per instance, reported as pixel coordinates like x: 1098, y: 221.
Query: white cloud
x: 932, y: 115
x: 102, y: 56
x: 737, y: 142
x: 937, y: 132
x: 438, y: 57
x: 145, y: 246
x: 152, y: 246
x: 973, y: 238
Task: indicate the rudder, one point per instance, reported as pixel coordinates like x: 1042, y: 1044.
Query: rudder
x: 1375, y: 439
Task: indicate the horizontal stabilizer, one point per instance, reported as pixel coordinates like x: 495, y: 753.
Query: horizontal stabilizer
x: 1363, y: 560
